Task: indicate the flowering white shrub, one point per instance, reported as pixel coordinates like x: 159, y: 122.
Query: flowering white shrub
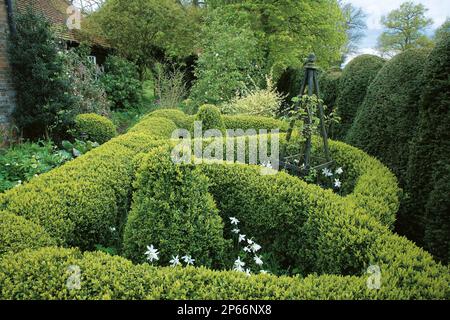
x: 256, y: 102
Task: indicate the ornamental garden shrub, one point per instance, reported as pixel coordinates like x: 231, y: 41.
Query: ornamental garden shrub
x: 356, y: 78
x: 210, y: 117
x: 39, y: 76
x: 181, y: 119
x: 178, y: 218
x: 428, y: 168
x: 121, y: 83
x: 387, y: 119
x: 94, y: 127
x: 329, y: 88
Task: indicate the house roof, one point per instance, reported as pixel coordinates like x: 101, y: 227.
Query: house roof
x: 56, y: 12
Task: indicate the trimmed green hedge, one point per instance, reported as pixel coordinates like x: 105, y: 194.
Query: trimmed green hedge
x: 79, y: 202
x: 252, y: 122
x: 355, y: 79
x: 387, y: 119
x: 428, y: 172
x: 210, y: 117
x: 181, y: 119
x: 94, y: 127
x: 178, y: 219
x: 318, y: 230
x: 17, y: 234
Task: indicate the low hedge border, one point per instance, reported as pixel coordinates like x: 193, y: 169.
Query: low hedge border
x: 408, y: 271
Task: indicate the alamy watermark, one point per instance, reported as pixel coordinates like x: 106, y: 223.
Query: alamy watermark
x: 374, y: 280
x: 212, y: 146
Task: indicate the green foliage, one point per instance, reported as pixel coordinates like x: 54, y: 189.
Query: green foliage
x: 145, y: 30
x: 24, y: 161
x: 387, y: 120
x: 428, y: 168
x: 86, y: 89
x: 17, y: 234
x: 253, y: 122
x: 78, y: 203
x: 177, y: 218
x: 180, y: 119
x: 121, y: 82
x: 229, y: 62
x: 355, y: 80
x: 256, y: 102
x: 405, y: 29
x: 287, y: 31
x: 443, y: 32
x: 329, y: 91
x: 94, y: 127
x: 40, y: 81
x: 210, y: 117
x: 303, y: 225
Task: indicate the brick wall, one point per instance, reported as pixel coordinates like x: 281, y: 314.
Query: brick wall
x: 6, y: 87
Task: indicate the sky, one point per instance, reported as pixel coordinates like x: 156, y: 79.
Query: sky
x: 438, y: 10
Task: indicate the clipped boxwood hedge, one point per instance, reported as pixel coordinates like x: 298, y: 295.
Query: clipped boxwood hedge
x: 330, y: 234
x: 79, y: 202
x: 181, y: 119
x: 178, y: 219
x: 94, y: 127
x: 252, y: 122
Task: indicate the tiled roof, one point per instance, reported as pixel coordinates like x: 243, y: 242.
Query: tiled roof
x: 56, y: 12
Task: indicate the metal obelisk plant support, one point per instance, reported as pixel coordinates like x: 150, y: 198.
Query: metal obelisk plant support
x: 310, y: 80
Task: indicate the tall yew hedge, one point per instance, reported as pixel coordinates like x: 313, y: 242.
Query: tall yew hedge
x: 355, y: 80
x: 428, y: 172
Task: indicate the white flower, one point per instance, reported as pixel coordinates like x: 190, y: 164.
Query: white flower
x: 248, y: 272
x: 255, y: 247
x: 249, y: 241
x: 241, y: 237
x: 263, y: 272
x: 175, y: 261
x: 239, y: 264
x: 188, y: 260
x: 234, y: 220
x: 236, y: 230
x: 267, y: 164
x: 247, y: 249
x: 337, y: 183
x: 258, y: 260
x: 327, y: 172
x: 113, y: 229
x: 152, y: 253
x: 339, y: 170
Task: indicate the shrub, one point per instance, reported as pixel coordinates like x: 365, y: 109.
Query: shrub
x: 171, y: 87
x: 40, y: 81
x: 22, y: 162
x: 181, y: 119
x: 428, y: 168
x: 78, y: 203
x: 156, y: 127
x: 329, y: 89
x: 94, y: 127
x: 257, y: 102
x: 86, y: 88
x: 253, y: 122
x: 210, y: 117
x: 227, y: 62
x: 121, y: 82
x: 392, y: 102
x: 17, y: 234
x: 178, y: 218
x: 355, y: 80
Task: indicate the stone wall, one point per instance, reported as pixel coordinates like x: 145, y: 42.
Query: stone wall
x: 7, y: 94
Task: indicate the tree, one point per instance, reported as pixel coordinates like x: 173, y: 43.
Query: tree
x: 356, y: 26
x: 443, y: 31
x: 42, y: 86
x: 404, y: 29
x: 146, y: 31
